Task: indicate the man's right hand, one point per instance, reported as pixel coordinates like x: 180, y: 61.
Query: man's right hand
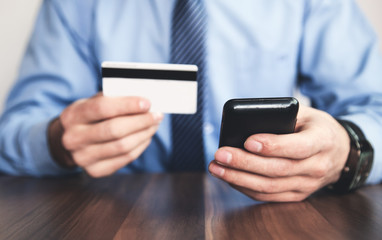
x: 102, y: 134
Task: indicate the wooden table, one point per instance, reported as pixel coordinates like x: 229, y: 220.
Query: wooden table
x: 176, y: 206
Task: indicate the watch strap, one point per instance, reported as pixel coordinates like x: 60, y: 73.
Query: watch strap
x: 359, y: 162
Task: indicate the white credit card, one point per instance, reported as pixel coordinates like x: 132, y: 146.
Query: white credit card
x: 171, y: 88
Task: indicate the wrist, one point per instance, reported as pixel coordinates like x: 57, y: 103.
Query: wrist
x: 359, y: 161
x: 59, y: 154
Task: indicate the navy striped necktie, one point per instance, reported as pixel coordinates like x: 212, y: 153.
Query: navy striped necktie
x: 188, y: 47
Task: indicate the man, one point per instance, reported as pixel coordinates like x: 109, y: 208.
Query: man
x: 56, y: 121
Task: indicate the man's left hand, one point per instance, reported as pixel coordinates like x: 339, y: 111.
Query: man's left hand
x: 286, y: 167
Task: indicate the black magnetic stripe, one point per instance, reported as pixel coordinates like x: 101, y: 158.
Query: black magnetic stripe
x: 149, y: 74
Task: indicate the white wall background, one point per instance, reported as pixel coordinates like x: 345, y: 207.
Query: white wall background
x: 17, y: 18
x: 16, y: 21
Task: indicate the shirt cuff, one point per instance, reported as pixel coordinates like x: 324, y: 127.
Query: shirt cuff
x: 371, y: 128
x: 42, y: 162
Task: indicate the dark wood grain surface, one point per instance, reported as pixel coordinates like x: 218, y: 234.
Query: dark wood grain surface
x: 176, y: 206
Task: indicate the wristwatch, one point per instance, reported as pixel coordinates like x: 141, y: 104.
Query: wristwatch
x: 359, y: 162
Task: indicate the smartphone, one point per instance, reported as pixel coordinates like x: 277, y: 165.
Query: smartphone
x: 247, y: 116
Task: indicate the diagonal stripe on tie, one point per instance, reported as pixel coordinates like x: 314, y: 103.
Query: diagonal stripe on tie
x: 188, y: 47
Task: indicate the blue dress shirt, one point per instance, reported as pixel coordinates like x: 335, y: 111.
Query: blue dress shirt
x: 262, y: 48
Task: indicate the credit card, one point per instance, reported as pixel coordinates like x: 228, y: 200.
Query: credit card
x: 171, y: 88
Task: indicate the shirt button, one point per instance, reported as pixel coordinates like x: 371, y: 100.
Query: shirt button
x: 208, y: 128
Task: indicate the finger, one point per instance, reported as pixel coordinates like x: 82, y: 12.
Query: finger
x: 99, y: 108
x: 109, y: 130
x: 298, y: 145
x: 266, y: 166
x: 110, y: 166
x: 98, y: 152
x: 273, y: 197
x: 271, y: 166
x: 260, y: 183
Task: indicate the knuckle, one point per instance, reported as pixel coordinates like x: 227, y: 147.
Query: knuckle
x: 312, y: 187
x: 305, y: 151
x: 150, y: 119
x: 66, y: 117
x: 329, y: 141
x: 122, y: 145
x: 145, y: 122
x: 80, y: 158
x: 271, y: 146
x: 68, y: 141
x: 270, y: 187
x: 231, y: 177
x: 309, y: 144
x: 110, y: 131
x: 99, y: 107
x: 240, y: 160
x: 284, y: 169
x: 320, y: 170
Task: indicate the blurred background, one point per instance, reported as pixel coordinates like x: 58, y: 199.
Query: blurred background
x: 17, y: 18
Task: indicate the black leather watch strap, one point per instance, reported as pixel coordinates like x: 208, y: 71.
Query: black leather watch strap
x: 359, y: 162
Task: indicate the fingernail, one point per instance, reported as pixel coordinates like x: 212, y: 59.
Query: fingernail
x: 223, y: 157
x: 253, y: 146
x: 216, y: 170
x: 158, y: 117
x: 144, y: 104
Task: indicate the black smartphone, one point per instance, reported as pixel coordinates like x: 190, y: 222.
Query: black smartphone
x: 245, y: 117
